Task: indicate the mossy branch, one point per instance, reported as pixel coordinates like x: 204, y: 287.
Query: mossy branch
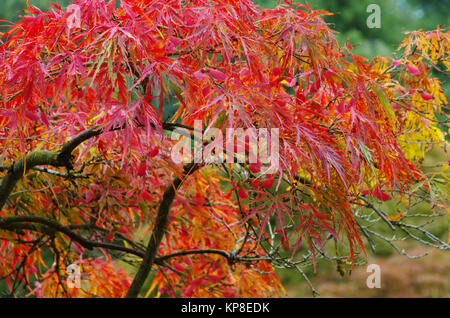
x: 18, y: 169
x: 60, y: 158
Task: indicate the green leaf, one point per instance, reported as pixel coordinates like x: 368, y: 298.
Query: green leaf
x: 367, y: 156
x: 384, y: 102
x: 102, y: 59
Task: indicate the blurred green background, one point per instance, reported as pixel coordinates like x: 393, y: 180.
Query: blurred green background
x: 397, y: 16
x: 401, y: 277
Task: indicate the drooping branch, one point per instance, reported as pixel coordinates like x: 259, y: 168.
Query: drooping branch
x: 158, y: 232
x: 223, y: 253
x: 47, y: 226
x: 50, y: 227
x: 377, y: 211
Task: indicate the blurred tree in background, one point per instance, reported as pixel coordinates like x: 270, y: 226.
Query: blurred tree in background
x: 397, y: 17
x: 10, y: 9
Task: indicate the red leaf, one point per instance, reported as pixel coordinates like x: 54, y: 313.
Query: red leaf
x: 377, y: 193
x: 426, y: 96
x: 291, y: 81
x: 217, y: 75
x: 229, y: 293
x: 199, y: 75
x: 268, y: 182
x: 214, y: 278
x: 241, y: 193
x: 110, y: 237
x: 79, y: 248
x: 178, y: 267
x: 74, y: 17
x: 188, y: 291
x: 122, y: 230
x: 413, y: 70
x: 145, y: 195
x: 276, y: 71
x: 153, y: 152
x: 255, y: 167
x: 284, y: 241
x: 341, y: 107
x: 315, y: 86
x: 89, y: 196
x: 142, y: 169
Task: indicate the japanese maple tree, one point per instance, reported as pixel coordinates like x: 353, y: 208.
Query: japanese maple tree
x: 87, y: 175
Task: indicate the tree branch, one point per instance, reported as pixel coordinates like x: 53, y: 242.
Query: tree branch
x: 158, y: 232
x: 68, y: 147
x: 22, y: 222
x: 50, y: 227
x: 18, y: 169
x: 163, y: 258
x: 377, y: 211
x: 60, y: 174
x: 60, y: 158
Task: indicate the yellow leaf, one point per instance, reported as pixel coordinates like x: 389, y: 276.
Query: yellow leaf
x: 396, y: 217
x: 90, y: 121
x: 155, y: 283
x: 11, y: 43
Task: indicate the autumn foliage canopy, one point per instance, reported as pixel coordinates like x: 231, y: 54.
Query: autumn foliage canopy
x: 89, y: 96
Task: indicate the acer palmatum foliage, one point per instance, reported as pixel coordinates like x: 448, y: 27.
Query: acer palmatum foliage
x: 87, y: 174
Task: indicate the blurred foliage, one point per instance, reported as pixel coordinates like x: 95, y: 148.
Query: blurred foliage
x: 10, y: 9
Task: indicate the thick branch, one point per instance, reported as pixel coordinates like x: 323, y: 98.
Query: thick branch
x: 18, y: 169
x: 63, y: 158
x: 158, y: 233
x: 66, y: 150
x: 60, y: 158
